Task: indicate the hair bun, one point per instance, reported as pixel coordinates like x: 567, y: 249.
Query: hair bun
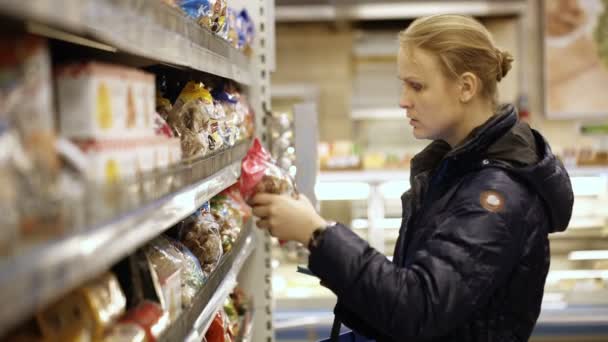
x: 505, y: 60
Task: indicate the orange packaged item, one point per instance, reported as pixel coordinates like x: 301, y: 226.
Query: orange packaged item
x: 151, y: 317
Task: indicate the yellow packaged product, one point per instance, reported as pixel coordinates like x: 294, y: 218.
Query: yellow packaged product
x: 105, y: 302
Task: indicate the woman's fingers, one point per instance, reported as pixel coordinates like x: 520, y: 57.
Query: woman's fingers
x: 263, y: 224
x: 261, y: 211
x: 262, y: 199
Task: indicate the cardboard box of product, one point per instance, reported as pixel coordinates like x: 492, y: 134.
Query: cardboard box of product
x: 101, y: 101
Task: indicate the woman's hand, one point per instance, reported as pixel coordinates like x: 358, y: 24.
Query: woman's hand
x: 287, y: 218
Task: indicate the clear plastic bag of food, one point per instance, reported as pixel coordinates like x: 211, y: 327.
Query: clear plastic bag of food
x: 193, y: 277
x: 167, y: 262
x: 201, y: 234
x: 226, y: 99
x: 229, y: 219
x: 190, y: 116
x: 260, y: 174
x: 219, y: 133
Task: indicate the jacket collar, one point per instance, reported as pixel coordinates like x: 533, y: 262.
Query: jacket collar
x: 476, y: 143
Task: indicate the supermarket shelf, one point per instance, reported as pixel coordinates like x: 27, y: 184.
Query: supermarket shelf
x: 149, y: 29
x: 194, y: 321
x: 35, y: 277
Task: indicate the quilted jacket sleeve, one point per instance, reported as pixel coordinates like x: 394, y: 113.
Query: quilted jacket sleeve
x: 472, y: 250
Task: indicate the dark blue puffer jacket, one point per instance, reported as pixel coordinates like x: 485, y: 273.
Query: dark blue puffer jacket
x: 473, y: 252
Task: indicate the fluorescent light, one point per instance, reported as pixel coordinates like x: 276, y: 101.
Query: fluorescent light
x: 576, y: 274
x: 336, y: 191
x: 589, y: 186
x: 588, y: 255
x: 394, y: 189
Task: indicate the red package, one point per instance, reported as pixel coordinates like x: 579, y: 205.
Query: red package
x: 260, y: 174
x: 216, y: 332
x: 149, y: 316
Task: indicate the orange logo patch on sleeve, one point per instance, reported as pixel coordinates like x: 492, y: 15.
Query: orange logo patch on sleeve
x: 492, y: 201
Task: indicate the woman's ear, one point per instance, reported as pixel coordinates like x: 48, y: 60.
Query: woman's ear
x: 469, y: 86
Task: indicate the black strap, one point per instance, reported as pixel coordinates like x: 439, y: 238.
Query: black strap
x: 335, y: 330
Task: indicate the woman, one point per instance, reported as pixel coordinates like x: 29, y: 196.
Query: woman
x: 473, y: 251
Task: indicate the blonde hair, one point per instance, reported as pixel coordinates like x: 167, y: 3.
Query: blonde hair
x: 463, y: 45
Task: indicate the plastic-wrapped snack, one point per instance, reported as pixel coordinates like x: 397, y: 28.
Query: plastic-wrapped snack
x: 190, y: 118
x: 246, y: 32
x: 220, y: 131
x: 161, y: 127
x: 200, y: 233
x: 226, y: 99
x: 260, y: 174
x: 163, y: 106
x: 193, y: 277
x: 229, y: 219
x: 167, y: 262
x: 209, y: 13
x: 230, y: 32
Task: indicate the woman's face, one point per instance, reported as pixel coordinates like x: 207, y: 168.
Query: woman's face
x: 430, y: 98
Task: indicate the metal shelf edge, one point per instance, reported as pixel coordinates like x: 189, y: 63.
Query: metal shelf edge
x: 32, y: 280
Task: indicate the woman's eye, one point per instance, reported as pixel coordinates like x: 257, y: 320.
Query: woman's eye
x: 416, y: 86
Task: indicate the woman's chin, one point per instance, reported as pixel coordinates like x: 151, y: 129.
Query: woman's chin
x: 420, y: 133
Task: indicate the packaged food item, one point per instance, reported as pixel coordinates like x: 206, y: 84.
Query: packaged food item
x: 246, y: 32
x: 92, y: 308
x: 68, y: 314
x: 249, y: 123
x: 167, y: 262
x: 193, y: 117
x: 229, y: 32
x: 260, y: 174
x: 111, y: 168
x: 208, y: 13
x: 161, y: 127
x: 126, y: 332
x: 200, y: 233
x: 26, y: 101
x: 163, y: 106
x: 98, y: 100
x: 229, y: 220
x: 105, y: 301
x: 193, y: 277
x: 29, y: 142
x: 150, y: 316
x: 216, y: 331
x: 227, y: 97
x: 8, y: 191
x: 231, y: 213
